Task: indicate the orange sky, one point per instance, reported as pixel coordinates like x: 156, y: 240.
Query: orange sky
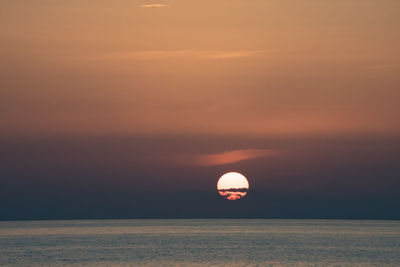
x: 209, y: 67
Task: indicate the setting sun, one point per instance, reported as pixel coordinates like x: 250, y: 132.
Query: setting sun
x: 232, y: 185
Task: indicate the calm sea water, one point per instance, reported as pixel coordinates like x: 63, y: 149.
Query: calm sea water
x: 200, y: 242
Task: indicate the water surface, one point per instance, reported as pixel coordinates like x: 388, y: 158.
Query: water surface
x: 201, y: 242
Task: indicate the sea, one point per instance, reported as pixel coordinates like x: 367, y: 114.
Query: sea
x: 200, y: 242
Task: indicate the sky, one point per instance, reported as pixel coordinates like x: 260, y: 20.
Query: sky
x: 134, y: 109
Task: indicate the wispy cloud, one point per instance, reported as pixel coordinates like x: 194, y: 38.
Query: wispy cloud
x: 176, y: 54
x: 227, y: 157
x: 382, y: 67
x: 154, y: 5
x: 230, y: 54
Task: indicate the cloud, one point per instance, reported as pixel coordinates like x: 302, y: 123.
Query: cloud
x: 382, y: 67
x: 175, y: 54
x: 154, y: 5
x: 230, y: 54
x: 227, y: 157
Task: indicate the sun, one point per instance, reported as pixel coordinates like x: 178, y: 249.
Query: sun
x: 233, y: 185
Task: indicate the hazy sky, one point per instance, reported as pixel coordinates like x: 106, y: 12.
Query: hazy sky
x: 100, y: 99
x: 244, y: 67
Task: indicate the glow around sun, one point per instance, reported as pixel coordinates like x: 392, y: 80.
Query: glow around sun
x: 232, y: 185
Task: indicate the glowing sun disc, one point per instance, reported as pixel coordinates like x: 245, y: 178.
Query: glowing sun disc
x: 232, y: 185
